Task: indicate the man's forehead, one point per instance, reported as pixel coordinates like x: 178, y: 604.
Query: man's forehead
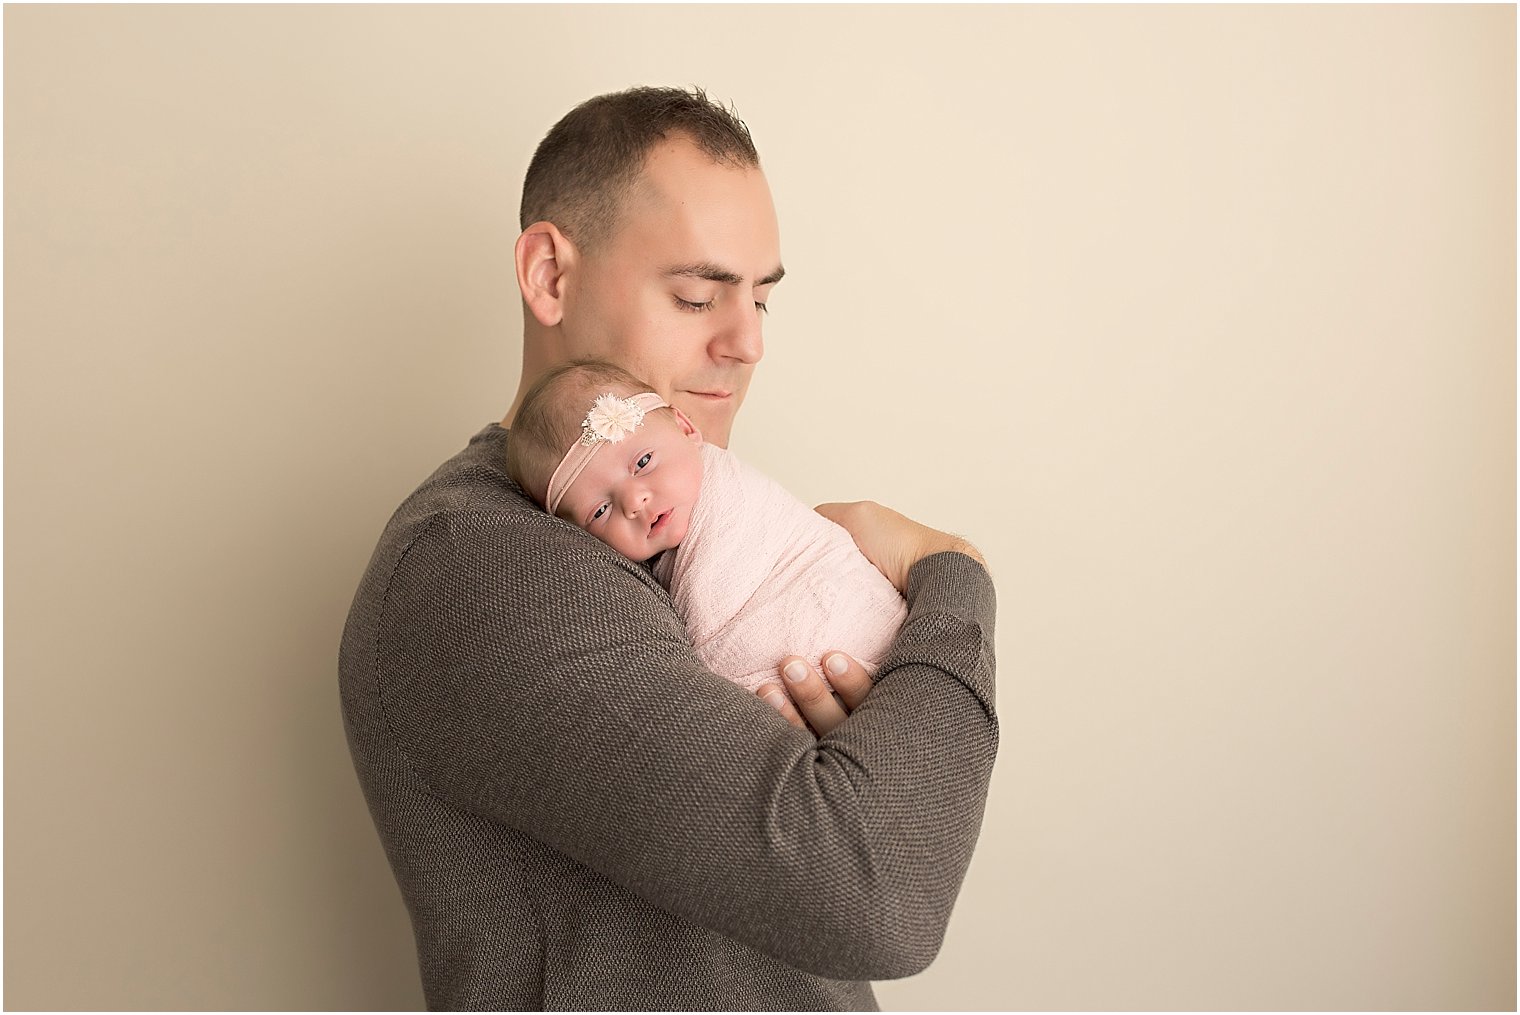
x: 690, y: 216
x: 677, y: 172
x: 678, y: 158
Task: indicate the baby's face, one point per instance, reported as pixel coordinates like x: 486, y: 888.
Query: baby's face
x: 636, y: 495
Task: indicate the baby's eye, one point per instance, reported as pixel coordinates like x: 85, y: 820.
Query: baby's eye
x: 645, y: 460
x: 599, y: 512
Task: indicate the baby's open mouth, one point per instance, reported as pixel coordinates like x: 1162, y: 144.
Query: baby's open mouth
x: 659, y: 521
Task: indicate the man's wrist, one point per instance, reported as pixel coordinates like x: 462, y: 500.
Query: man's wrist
x: 954, y: 544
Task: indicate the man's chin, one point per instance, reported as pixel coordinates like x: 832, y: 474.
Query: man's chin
x: 716, y: 438
x: 715, y: 426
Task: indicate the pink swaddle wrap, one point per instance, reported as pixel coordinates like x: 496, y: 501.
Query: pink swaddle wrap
x: 760, y: 575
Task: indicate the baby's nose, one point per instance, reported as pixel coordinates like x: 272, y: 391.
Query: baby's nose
x: 634, y: 503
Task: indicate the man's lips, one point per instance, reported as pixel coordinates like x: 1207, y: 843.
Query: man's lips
x: 716, y: 396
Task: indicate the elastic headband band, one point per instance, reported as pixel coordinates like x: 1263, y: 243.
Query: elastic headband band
x: 610, y: 420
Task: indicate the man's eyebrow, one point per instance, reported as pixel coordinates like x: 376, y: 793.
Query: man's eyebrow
x: 712, y: 273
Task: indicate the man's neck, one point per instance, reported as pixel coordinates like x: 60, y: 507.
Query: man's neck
x: 506, y: 421
x: 533, y: 367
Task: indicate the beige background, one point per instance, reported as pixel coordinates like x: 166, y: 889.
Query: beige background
x: 1201, y: 322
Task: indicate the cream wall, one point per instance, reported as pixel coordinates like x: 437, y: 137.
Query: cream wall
x: 1200, y: 321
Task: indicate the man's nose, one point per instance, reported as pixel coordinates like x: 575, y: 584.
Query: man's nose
x: 740, y: 338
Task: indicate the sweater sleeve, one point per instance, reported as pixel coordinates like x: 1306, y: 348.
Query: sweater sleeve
x: 534, y: 677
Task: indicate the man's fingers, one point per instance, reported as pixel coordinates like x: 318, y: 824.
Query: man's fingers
x: 808, y: 702
x: 893, y: 541
x: 811, y: 695
x: 851, y: 682
x: 773, y: 695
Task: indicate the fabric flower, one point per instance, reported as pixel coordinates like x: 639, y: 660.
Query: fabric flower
x: 613, y: 418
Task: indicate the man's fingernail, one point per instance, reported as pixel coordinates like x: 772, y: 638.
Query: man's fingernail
x: 773, y: 699
x: 836, y: 665
x: 795, y: 671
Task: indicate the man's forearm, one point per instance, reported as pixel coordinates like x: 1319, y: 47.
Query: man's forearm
x: 590, y: 725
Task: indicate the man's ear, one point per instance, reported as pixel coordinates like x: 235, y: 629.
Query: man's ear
x: 687, y: 426
x: 543, y: 255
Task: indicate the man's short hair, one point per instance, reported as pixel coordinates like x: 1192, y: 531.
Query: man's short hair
x: 591, y: 158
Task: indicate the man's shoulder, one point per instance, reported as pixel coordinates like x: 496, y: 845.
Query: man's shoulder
x: 468, y: 569
x: 474, y: 479
x: 470, y: 517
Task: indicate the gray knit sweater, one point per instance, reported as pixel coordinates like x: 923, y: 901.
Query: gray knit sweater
x: 580, y: 816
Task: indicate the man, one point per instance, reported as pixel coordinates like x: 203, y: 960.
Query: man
x: 578, y: 813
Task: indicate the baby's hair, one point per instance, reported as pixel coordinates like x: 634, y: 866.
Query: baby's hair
x: 549, y: 420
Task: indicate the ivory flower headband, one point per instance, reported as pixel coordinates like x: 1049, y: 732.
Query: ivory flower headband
x: 610, y: 420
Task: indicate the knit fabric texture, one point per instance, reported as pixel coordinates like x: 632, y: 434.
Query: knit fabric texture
x: 581, y: 816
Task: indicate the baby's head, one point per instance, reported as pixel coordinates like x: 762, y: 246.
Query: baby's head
x: 633, y: 479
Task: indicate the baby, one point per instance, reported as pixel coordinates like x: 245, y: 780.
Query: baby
x: 754, y: 573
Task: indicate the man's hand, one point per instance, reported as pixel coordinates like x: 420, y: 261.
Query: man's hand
x: 891, y: 541
x: 809, y: 694
x: 894, y: 543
